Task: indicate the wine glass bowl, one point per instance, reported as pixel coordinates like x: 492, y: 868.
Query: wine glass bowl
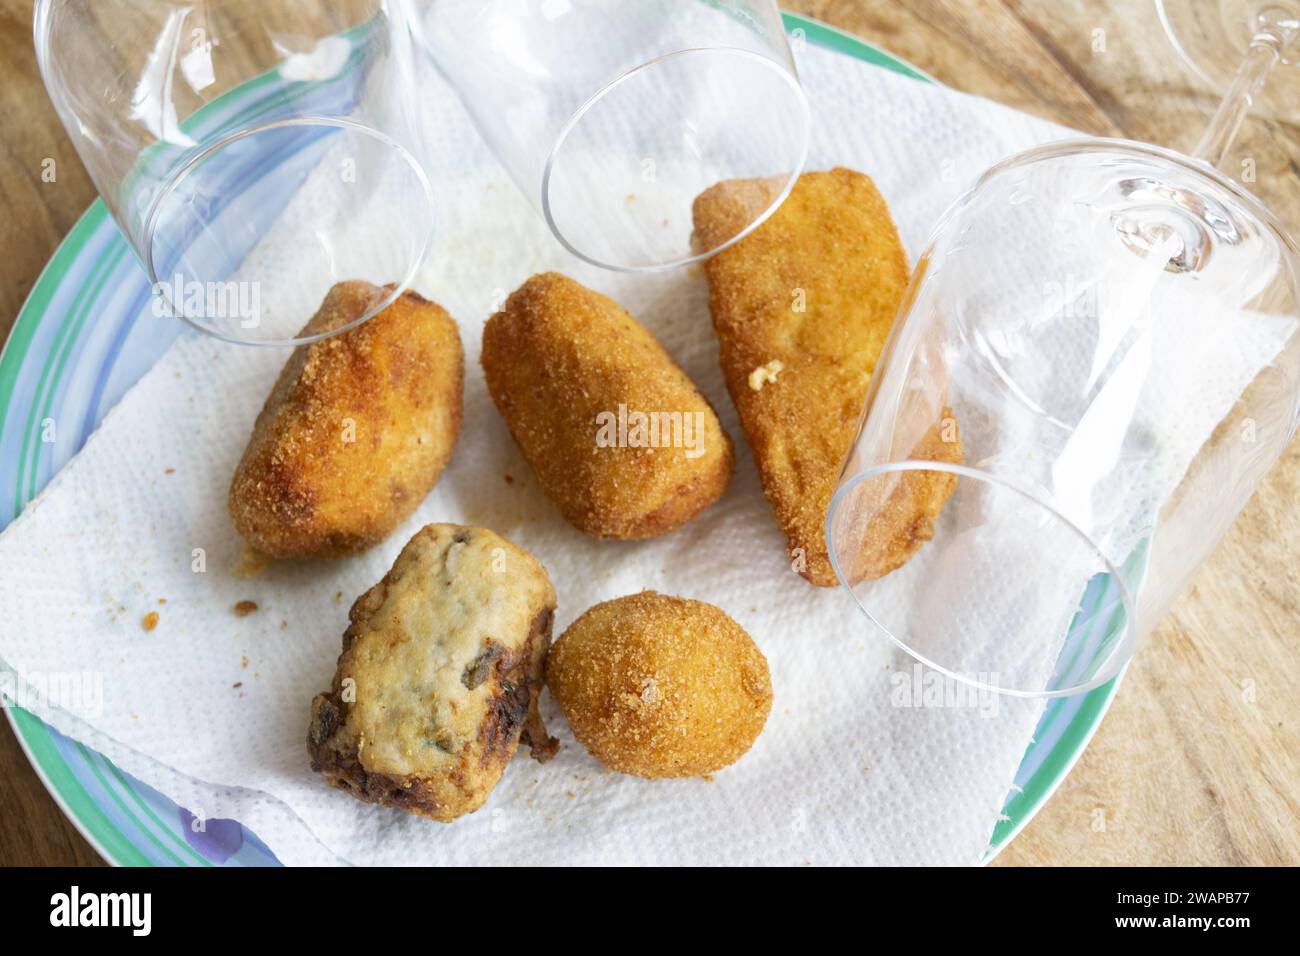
x: 1097, y: 361
x: 611, y: 116
x: 1109, y: 334
x: 253, y: 154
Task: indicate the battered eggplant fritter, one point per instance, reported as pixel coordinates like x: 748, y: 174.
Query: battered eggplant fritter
x: 356, y: 430
x: 619, y: 437
x: 802, y: 307
x: 441, y: 668
x: 660, y: 686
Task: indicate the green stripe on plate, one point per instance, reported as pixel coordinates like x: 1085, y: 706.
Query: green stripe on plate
x: 148, y: 811
x: 67, y: 339
x: 121, y: 805
x: 1069, y: 747
x: 70, y: 791
x: 29, y: 318
x: 832, y: 38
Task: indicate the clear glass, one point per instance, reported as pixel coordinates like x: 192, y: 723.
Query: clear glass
x: 613, y: 115
x: 208, y: 125
x: 1097, y: 362
x: 1215, y: 36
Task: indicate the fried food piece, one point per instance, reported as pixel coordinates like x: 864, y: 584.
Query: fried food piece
x: 620, y: 439
x: 356, y: 430
x: 884, y: 520
x: 441, y: 668
x: 660, y: 686
x: 802, y: 307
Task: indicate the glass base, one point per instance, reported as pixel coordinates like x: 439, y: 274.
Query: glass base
x: 1212, y: 37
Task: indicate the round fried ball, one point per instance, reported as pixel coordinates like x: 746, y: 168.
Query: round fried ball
x: 660, y: 686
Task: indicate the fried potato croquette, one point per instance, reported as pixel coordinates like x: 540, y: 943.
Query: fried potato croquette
x: 884, y: 520
x: 802, y: 307
x: 441, y: 668
x: 356, y: 430
x: 660, y: 686
x: 618, y: 436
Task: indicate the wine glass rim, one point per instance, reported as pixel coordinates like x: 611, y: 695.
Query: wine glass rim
x: 1180, y: 48
x: 1065, y: 147
x: 788, y: 74
x: 1115, y: 661
x: 174, y: 180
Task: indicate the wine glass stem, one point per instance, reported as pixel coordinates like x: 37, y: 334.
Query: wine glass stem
x: 1264, y: 53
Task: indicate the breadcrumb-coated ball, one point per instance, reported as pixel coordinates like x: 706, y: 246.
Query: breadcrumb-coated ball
x: 660, y: 686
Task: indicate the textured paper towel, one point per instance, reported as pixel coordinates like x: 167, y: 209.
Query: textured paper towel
x: 841, y: 774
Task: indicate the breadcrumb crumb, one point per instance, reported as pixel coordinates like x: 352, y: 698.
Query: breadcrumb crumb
x: 765, y: 373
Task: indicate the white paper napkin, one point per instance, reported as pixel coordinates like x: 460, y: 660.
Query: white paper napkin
x: 845, y: 772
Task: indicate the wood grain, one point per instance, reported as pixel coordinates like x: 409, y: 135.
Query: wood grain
x: 1199, y: 759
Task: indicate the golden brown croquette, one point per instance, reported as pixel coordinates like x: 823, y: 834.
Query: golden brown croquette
x: 883, y: 521
x: 660, y: 686
x: 619, y: 437
x: 356, y: 430
x: 802, y: 307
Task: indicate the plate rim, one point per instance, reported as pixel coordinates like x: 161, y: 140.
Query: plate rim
x: 79, y: 806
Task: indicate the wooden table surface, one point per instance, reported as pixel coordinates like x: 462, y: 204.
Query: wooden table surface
x: 1198, y: 761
